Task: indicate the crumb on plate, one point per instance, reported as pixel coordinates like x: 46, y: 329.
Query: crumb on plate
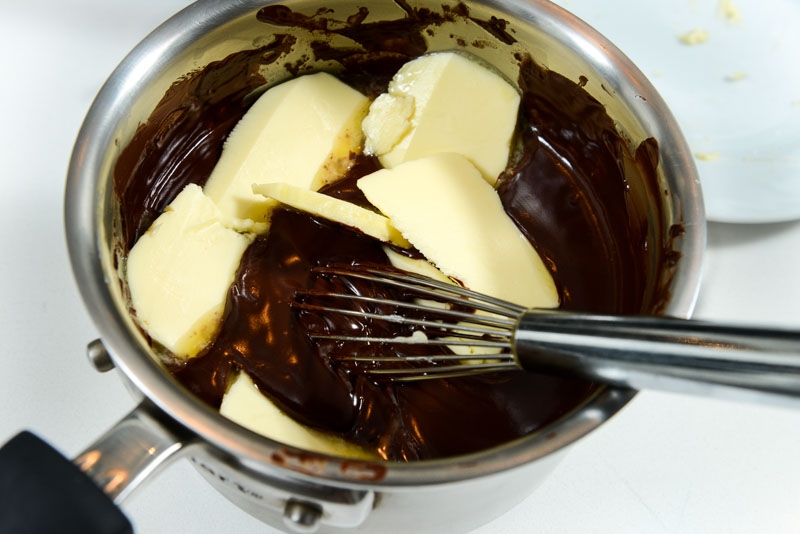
x: 694, y: 37
x: 707, y: 156
x: 736, y: 76
x: 726, y: 10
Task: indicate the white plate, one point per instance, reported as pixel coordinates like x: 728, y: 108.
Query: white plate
x: 736, y: 96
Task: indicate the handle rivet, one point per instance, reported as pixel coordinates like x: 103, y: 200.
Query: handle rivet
x: 302, y: 516
x: 99, y: 357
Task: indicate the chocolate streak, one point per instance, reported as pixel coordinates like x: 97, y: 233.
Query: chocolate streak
x: 573, y: 187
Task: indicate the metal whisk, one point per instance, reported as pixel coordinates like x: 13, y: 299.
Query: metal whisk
x: 474, y: 334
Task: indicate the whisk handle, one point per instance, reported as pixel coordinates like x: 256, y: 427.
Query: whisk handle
x: 662, y: 353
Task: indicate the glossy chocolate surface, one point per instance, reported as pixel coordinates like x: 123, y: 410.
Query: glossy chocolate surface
x: 587, y: 202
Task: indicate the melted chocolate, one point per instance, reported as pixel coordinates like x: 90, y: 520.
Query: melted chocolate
x: 574, y: 188
x: 570, y: 189
x: 182, y: 140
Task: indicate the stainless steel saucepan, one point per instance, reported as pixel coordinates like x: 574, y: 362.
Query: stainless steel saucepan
x: 284, y: 486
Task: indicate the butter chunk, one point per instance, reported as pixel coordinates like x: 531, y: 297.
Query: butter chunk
x: 180, y: 270
x: 300, y: 132
x: 450, y: 214
x: 444, y: 102
x: 246, y: 405
x: 388, y: 121
x: 333, y: 209
x: 416, y: 266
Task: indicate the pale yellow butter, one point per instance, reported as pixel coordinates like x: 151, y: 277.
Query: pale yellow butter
x: 300, y: 132
x: 246, y: 405
x: 444, y: 102
x: 180, y: 270
x: 333, y: 209
x: 446, y: 209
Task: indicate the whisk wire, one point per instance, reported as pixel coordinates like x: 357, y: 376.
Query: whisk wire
x: 425, y: 286
x: 486, y: 320
x: 413, y: 374
x: 397, y: 319
x: 485, y: 358
x: 449, y: 315
x: 475, y: 342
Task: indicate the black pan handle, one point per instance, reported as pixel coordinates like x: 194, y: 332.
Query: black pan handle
x: 41, y: 492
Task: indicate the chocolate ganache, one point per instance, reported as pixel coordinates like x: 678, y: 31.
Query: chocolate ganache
x: 576, y: 190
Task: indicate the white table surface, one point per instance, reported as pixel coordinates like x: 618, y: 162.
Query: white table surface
x: 666, y: 464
